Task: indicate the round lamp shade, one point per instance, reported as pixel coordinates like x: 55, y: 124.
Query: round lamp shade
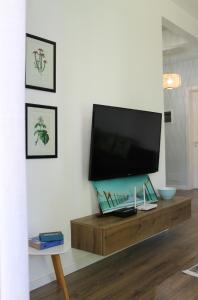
x: 171, y: 81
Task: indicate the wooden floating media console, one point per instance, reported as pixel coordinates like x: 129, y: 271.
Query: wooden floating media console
x: 106, y: 234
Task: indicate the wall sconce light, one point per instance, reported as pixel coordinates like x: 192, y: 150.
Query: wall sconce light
x: 171, y: 81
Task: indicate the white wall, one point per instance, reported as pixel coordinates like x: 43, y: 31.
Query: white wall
x: 176, y: 156
x: 108, y: 52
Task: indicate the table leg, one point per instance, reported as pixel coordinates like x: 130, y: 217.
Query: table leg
x: 59, y: 274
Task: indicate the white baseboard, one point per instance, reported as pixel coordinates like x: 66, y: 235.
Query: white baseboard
x: 182, y: 187
x: 80, y: 259
x: 36, y: 283
x: 75, y: 260
x: 179, y: 187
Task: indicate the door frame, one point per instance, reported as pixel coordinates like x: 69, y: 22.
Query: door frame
x: 189, y: 146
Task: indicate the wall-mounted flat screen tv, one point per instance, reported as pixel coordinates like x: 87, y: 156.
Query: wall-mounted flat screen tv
x: 124, y: 142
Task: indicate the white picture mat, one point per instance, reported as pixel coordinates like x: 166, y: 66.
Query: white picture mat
x: 44, y: 79
x: 48, y: 115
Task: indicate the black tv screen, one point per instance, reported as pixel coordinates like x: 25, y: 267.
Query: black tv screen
x: 124, y: 142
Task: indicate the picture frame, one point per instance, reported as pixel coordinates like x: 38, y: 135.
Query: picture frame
x: 40, y: 69
x: 41, y: 131
x: 118, y: 193
x: 151, y: 195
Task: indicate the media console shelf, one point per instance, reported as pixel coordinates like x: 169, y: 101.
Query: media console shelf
x: 106, y: 234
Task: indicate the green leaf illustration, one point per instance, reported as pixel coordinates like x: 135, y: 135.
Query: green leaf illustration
x: 44, y: 136
x: 41, y: 133
x: 36, y: 125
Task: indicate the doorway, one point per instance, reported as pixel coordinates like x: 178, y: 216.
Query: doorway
x: 192, y: 137
x: 179, y: 56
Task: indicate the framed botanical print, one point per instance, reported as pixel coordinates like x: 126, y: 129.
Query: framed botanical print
x: 40, y: 70
x: 41, y: 131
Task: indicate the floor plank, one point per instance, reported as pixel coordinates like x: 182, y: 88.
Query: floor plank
x: 147, y: 271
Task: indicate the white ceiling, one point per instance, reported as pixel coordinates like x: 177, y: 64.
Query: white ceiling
x: 177, y: 44
x: 191, y: 6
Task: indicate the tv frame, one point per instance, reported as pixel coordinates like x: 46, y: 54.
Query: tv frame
x: 90, y: 178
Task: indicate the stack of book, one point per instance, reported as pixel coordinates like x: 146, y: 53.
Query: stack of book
x: 46, y: 240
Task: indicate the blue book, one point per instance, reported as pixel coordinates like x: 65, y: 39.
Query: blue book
x: 51, y: 236
x: 36, y: 243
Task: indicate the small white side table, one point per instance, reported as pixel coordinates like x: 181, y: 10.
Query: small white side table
x: 55, y: 255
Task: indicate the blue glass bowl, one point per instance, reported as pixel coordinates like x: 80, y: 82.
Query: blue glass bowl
x: 167, y: 193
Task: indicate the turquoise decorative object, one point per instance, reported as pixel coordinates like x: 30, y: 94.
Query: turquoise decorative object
x: 114, y: 194
x: 167, y: 193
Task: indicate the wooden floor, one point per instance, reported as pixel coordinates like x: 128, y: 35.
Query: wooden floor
x: 147, y: 271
